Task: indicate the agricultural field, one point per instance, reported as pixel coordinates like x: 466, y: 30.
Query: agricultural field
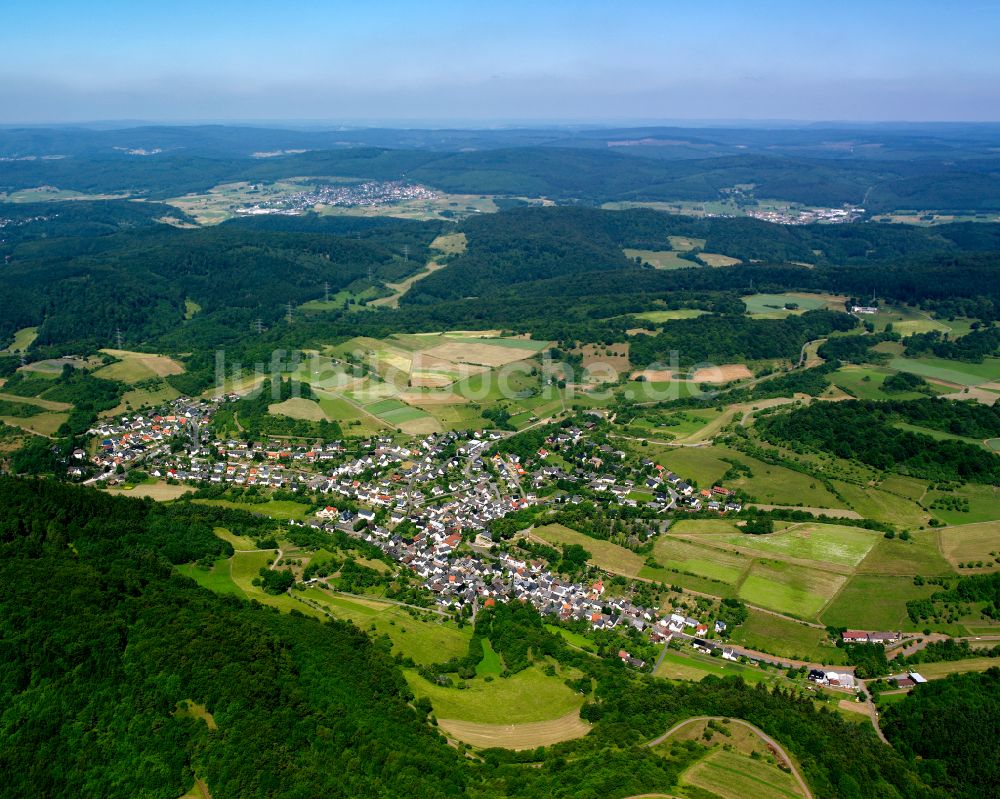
x: 527, y: 696
x: 299, y: 408
x: 528, y: 735
x: 972, y: 543
x: 161, y: 492
x: 685, y: 243
x: 135, y: 367
x: 796, y: 590
x: 828, y: 545
x: 661, y: 259
x: 737, y: 764
x: 717, y: 259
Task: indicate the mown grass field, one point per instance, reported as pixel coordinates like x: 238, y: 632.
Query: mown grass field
x: 218, y: 578
x: 874, y: 602
x: 528, y: 735
x: 795, y: 590
x: 882, y: 505
x: 161, y: 492
x: 935, y: 671
x: 666, y: 316
x: 966, y: 374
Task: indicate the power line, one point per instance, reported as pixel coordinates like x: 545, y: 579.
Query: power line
x: 288, y: 313
x: 326, y: 291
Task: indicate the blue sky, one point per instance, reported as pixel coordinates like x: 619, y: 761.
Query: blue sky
x: 442, y: 61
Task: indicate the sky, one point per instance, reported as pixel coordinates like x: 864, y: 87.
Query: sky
x: 498, y: 62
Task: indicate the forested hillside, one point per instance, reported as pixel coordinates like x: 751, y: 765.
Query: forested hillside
x: 107, y: 651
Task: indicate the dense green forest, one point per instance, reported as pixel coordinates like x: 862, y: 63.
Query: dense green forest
x: 864, y: 431
x: 953, y: 170
x: 951, y: 728
x: 559, y: 273
x: 105, y: 646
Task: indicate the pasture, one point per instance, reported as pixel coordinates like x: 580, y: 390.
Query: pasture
x: 23, y: 339
x: 874, y: 602
x: 774, y: 306
x: 666, y: 316
x: 717, y: 259
x: 528, y: 696
x: 299, y: 408
x: 661, y: 259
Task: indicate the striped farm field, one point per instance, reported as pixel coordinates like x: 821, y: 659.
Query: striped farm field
x: 529, y: 735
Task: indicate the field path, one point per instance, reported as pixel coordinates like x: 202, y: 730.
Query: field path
x: 778, y: 749
x: 49, y: 405
x: 399, y: 289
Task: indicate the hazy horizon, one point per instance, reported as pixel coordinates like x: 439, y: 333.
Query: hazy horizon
x: 441, y: 63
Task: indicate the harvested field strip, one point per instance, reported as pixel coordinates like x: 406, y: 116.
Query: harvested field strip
x: 517, y: 736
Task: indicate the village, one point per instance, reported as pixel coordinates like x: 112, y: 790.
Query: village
x: 428, y: 504
x: 369, y: 193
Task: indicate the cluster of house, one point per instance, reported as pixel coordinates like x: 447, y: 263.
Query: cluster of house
x: 870, y: 637
x: 444, y: 485
x: 131, y: 439
x: 806, y: 216
x: 833, y: 679
x: 369, y: 193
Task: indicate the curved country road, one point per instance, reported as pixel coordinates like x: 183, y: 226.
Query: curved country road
x: 756, y: 731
